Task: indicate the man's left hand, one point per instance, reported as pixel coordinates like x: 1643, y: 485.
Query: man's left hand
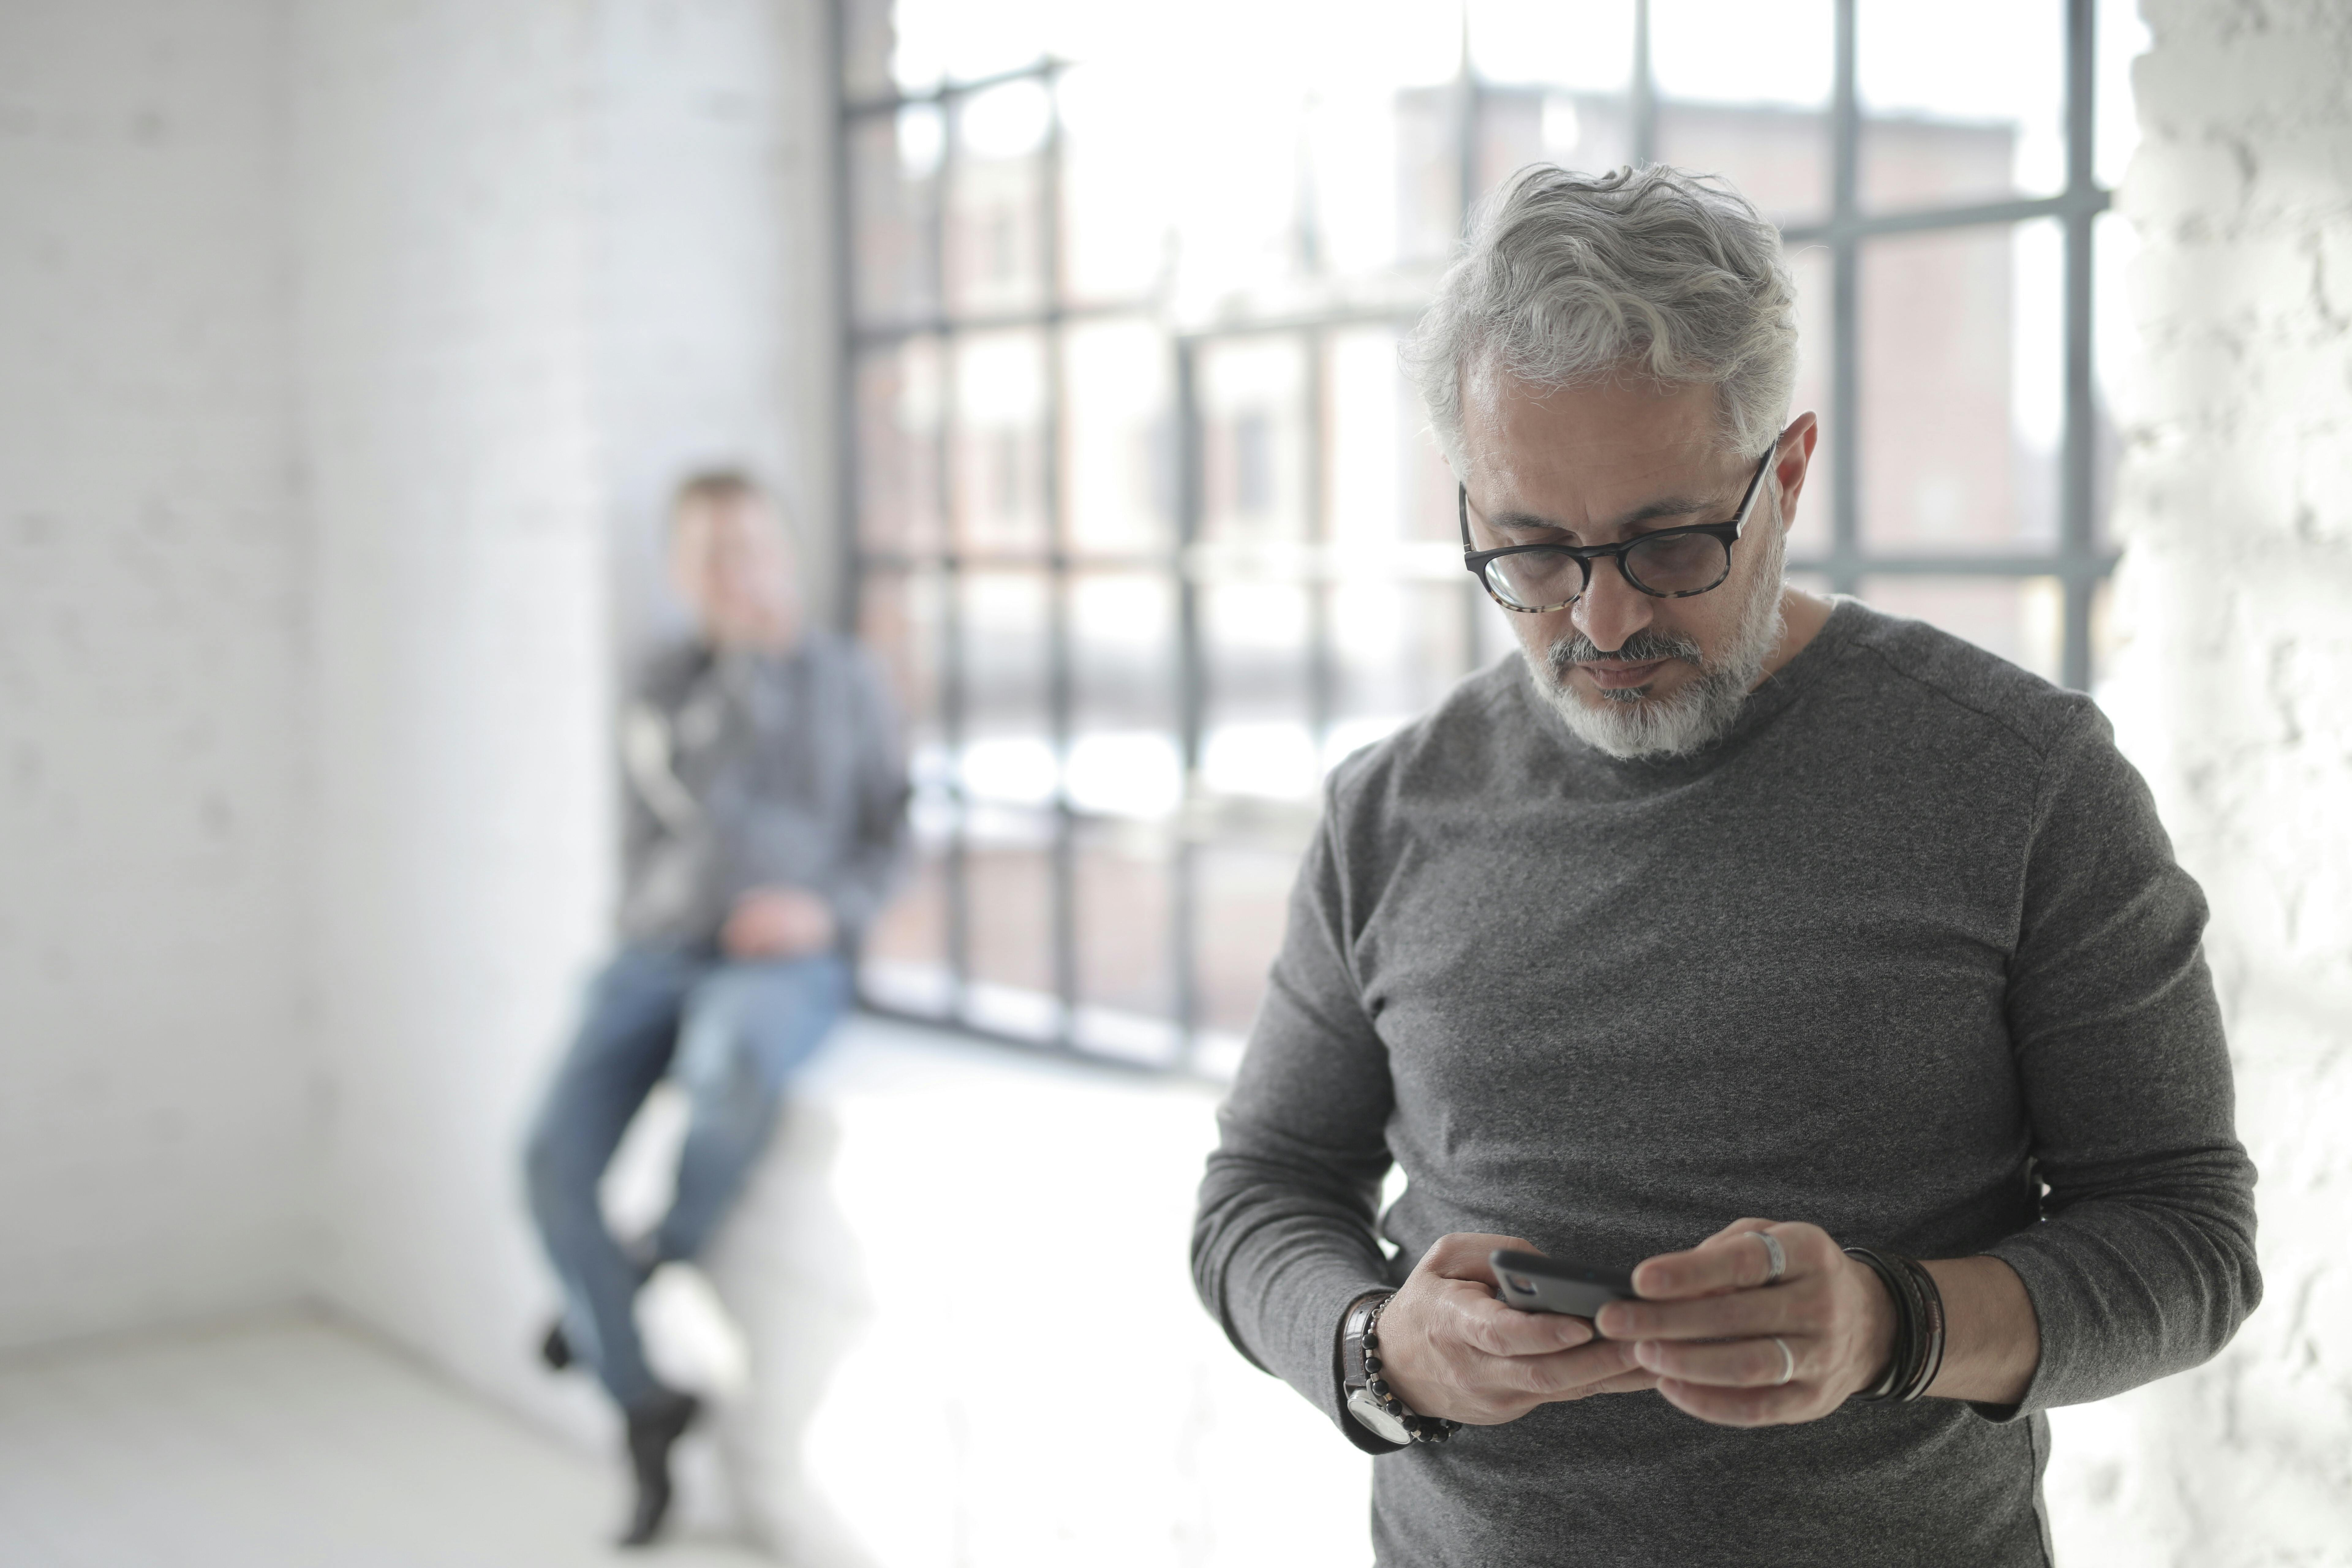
x: 1830, y: 1311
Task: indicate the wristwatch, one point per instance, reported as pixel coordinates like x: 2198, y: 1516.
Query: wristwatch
x: 1374, y: 1403
x: 1356, y: 1383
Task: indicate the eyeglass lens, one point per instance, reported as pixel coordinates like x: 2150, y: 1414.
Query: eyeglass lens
x: 1668, y: 564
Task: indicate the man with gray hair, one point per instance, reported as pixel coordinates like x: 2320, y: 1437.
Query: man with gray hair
x: 1825, y: 979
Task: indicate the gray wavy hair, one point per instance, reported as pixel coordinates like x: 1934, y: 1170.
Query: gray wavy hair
x: 1570, y: 279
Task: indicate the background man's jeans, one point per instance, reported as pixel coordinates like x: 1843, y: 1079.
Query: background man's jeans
x: 730, y: 1033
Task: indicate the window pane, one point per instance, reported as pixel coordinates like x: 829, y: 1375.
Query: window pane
x: 893, y: 166
x: 1960, y: 381
x: 1735, y: 51
x: 2020, y: 618
x: 1592, y: 131
x: 1816, y: 353
x: 1778, y: 158
x: 1256, y: 741
x: 1744, y: 92
x: 1959, y: 112
x: 900, y: 620
x: 1121, y: 455
x: 1000, y: 447
x: 1253, y: 448
x: 1118, y: 220
x: 1008, y: 752
x: 1009, y: 876
x: 1373, y: 417
x: 904, y: 964
x: 1124, y: 759
x: 1586, y: 45
x: 906, y: 960
x: 1243, y: 894
x: 995, y: 250
x: 1352, y: 194
x: 1006, y: 770
x: 1123, y: 905
x: 1390, y: 488
x: 898, y: 448
x: 1429, y: 500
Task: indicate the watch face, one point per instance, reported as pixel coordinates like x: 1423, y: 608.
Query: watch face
x: 1375, y: 1417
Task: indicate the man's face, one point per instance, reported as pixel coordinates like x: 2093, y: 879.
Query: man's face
x: 732, y: 565
x: 1631, y: 674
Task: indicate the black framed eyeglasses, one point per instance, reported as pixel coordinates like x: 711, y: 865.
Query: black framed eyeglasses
x: 1671, y: 564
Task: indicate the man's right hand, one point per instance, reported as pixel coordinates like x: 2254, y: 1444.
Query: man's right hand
x: 1448, y: 1347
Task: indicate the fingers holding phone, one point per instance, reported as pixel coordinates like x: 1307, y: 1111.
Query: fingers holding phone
x: 1760, y: 1324
x: 1451, y: 1348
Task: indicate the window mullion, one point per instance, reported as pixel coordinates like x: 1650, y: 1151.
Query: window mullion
x: 1845, y: 315
x: 2079, y: 571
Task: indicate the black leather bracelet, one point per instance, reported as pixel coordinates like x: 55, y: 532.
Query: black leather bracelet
x: 1898, y: 1361
x: 1930, y: 1304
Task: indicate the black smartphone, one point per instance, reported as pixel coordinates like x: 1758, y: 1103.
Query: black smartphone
x: 1534, y: 1283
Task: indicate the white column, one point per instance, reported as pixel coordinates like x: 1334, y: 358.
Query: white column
x: 2234, y: 693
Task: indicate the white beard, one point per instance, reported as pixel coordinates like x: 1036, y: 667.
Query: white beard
x: 1631, y: 723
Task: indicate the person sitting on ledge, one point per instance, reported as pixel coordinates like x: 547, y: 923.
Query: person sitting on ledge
x: 765, y: 793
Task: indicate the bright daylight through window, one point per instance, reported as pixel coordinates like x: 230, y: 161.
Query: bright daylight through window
x: 1144, y: 517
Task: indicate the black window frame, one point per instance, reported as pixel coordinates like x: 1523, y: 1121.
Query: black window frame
x: 2079, y: 562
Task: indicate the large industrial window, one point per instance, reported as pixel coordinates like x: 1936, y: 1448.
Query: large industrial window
x: 1142, y: 511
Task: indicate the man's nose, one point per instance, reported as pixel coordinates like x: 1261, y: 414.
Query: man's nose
x: 1611, y: 609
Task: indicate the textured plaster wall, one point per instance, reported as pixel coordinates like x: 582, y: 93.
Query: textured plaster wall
x: 158, y: 1089
x: 2234, y: 694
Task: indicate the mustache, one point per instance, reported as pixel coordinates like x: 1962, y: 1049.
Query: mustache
x: 1640, y: 648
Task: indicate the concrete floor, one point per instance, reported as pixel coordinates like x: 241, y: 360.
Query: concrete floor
x: 289, y: 1443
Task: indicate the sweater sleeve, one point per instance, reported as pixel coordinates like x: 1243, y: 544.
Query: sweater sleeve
x: 1284, y: 1237
x: 2144, y: 1262
x: 1283, y: 1240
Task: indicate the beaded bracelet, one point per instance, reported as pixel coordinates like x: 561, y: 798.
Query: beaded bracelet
x: 1421, y: 1429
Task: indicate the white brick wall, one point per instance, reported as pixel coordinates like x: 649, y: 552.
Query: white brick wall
x: 342, y: 340
x: 2235, y: 695
x: 713, y: 317
x: 157, y: 1091
x: 442, y: 195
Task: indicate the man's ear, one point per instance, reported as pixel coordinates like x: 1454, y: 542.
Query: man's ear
x: 1793, y: 460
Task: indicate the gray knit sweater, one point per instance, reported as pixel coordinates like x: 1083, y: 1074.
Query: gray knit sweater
x: 1905, y: 955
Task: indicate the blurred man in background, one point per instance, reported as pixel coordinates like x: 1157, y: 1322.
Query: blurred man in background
x: 765, y: 796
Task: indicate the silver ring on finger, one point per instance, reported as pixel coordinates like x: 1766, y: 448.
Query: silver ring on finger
x: 1788, y: 1362
x: 1772, y: 1250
